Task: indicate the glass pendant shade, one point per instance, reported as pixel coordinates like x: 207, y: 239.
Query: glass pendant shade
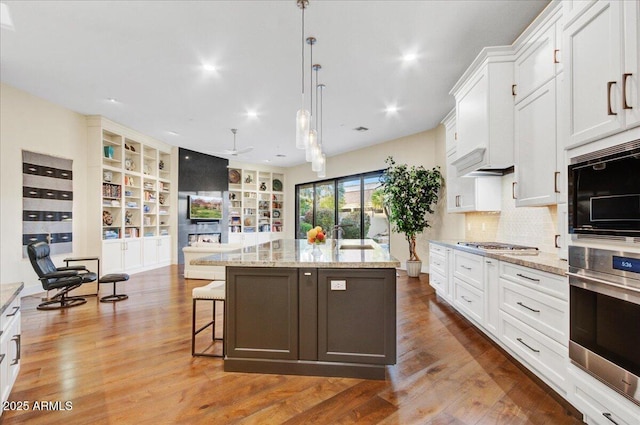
x: 316, y: 158
x: 303, y: 118
x: 323, y: 166
x: 313, y: 144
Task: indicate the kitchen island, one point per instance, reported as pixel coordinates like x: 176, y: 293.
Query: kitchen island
x: 295, y: 308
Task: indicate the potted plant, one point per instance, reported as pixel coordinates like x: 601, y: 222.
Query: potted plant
x: 410, y: 194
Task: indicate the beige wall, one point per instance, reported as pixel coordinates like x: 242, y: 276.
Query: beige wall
x: 426, y: 148
x: 31, y: 123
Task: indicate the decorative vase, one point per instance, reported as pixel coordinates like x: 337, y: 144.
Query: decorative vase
x: 414, y: 268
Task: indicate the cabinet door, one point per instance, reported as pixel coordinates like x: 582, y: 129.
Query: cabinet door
x: 535, y: 148
x: 164, y: 249
x: 631, y: 79
x: 535, y: 63
x: 594, y: 49
x: 150, y: 251
x: 262, y: 313
x: 13, y: 351
x: 472, y: 113
x: 492, y: 296
x: 358, y: 323
x: 112, y: 256
x: 460, y: 190
x: 132, y: 254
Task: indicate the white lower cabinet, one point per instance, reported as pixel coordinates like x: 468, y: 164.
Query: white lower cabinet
x: 598, y: 403
x: 468, y: 285
x: 121, y: 255
x: 492, y: 295
x: 9, y: 348
x: 439, y: 276
x: 156, y: 251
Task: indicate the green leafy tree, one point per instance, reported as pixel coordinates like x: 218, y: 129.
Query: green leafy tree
x: 410, y: 194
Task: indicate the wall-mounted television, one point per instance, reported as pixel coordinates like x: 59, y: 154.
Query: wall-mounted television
x: 204, y: 207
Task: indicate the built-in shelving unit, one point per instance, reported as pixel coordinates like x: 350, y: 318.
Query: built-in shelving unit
x: 256, y: 205
x: 135, y: 208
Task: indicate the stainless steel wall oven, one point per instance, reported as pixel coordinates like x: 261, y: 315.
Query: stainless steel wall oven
x: 604, y: 325
x: 604, y: 192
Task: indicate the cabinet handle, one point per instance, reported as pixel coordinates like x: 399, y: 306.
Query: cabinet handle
x: 465, y: 267
x: 527, y: 277
x: 14, y: 312
x: 2, y: 356
x: 307, y: 273
x: 608, y: 416
x: 455, y: 136
x: 466, y: 299
x: 555, y: 56
x: 527, y: 345
x: 609, y: 110
x: 527, y: 307
x: 513, y: 89
x: 16, y: 339
x: 488, y: 262
x: 555, y: 182
x: 513, y: 190
x: 556, y: 241
x: 625, y: 105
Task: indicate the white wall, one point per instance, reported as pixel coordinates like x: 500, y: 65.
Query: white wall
x: 33, y: 124
x: 426, y: 148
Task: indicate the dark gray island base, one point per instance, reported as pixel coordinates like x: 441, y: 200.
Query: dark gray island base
x: 328, y: 314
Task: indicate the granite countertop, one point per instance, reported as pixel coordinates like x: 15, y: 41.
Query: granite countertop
x: 8, y: 293
x: 544, y: 261
x: 298, y: 253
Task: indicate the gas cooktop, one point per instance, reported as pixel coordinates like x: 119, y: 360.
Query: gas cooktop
x: 501, y: 247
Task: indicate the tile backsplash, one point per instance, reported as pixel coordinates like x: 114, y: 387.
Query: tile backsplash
x: 532, y: 226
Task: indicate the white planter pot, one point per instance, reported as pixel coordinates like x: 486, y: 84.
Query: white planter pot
x: 414, y: 268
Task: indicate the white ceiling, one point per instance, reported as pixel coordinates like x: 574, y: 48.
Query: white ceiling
x: 148, y: 55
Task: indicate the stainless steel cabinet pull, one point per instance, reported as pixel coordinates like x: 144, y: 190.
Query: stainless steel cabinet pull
x: 527, y: 307
x: 513, y: 190
x: 527, y: 277
x: 16, y: 339
x: 625, y: 105
x: 465, y: 267
x: 609, y: 110
x: 555, y: 56
x: 14, y: 312
x: 556, y: 187
x: 488, y: 262
x: 466, y: 299
x: 513, y: 89
x: 527, y: 345
x: 556, y: 241
x: 307, y: 273
x: 608, y: 416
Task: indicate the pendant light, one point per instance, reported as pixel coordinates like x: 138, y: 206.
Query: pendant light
x: 322, y: 172
x: 303, y: 117
x: 313, y: 135
x: 316, y: 154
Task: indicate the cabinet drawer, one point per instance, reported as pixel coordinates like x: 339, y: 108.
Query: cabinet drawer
x: 540, y: 353
x: 598, y: 402
x: 438, y: 249
x: 542, y: 312
x: 557, y: 286
x: 437, y: 262
x: 11, y: 312
x: 438, y: 282
x: 468, y: 267
x: 469, y: 300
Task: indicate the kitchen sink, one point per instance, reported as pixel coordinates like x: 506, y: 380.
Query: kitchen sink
x: 356, y: 246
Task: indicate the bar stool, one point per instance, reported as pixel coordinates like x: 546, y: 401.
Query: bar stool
x: 214, y: 292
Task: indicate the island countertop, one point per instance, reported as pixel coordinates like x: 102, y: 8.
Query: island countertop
x: 299, y: 253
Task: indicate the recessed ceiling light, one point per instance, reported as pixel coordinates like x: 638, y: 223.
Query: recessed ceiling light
x: 209, y: 67
x: 410, y: 57
x: 252, y: 114
x: 391, y: 109
x: 112, y: 100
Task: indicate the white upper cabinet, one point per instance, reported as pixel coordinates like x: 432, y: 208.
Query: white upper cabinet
x: 601, y: 46
x: 538, y: 165
x: 484, y: 112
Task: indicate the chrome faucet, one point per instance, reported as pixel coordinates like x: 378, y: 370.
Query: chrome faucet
x: 336, y: 234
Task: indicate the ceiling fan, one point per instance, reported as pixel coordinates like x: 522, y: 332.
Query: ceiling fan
x: 235, y: 151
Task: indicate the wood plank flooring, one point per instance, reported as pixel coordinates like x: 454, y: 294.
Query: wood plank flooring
x: 130, y: 363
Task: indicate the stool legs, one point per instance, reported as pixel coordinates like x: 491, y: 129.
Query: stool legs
x: 114, y: 297
x: 211, y: 323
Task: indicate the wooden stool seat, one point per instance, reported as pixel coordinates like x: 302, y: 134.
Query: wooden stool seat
x: 214, y: 292
x: 113, y: 278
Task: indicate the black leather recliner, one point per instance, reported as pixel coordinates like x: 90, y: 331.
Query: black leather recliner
x: 63, y: 279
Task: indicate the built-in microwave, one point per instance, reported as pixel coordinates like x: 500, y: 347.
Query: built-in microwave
x: 604, y: 191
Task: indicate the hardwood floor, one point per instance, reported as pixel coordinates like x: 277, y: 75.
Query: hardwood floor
x: 130, y: 363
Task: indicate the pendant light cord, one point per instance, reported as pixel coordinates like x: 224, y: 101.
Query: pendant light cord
x: 303, y: 7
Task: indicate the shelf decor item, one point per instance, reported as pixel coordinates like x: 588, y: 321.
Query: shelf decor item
x: 108, y: 152
x: 234, y: 176
x: 107, y: 218
x: 410, y: 194
x: 277, y: 185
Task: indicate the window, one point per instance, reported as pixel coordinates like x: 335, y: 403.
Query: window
x: 354, y: 202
